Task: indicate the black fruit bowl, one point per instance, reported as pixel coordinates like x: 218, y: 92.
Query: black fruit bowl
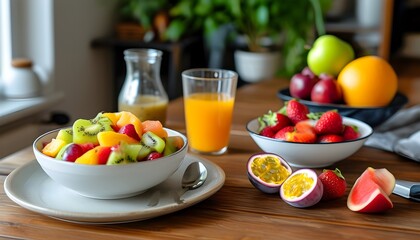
x: 373, y: 116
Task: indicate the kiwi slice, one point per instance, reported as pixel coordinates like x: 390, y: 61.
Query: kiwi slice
x: 138, y: 151
x: 153, y: 141
x: 123, y: 154
x: 65, y: 134
x: 85, y: 131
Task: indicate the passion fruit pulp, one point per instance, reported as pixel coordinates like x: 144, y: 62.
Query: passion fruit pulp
x: 267, y: 172
x: 302, y: 189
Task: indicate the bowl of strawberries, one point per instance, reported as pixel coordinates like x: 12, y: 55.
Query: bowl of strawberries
x: 308, y: 139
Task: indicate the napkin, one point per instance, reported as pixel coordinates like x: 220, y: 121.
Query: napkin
x: 399, y: 134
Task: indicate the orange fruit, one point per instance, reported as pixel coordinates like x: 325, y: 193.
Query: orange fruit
x: 154, y: 126
x: 368, y: 82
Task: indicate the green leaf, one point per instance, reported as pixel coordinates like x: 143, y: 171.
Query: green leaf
x: 175, y: 30
x: 262, y: 16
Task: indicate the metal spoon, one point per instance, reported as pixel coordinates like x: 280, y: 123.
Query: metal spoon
x: 194, y: 177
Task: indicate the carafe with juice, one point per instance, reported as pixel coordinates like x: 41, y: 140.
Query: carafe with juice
x: 142, y: 93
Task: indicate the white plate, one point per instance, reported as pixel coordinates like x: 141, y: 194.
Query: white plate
x: 32, y: 189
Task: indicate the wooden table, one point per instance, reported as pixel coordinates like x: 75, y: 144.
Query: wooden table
x: 238, y: 210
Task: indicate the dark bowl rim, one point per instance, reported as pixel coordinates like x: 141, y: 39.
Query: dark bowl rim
x: 399, y: 98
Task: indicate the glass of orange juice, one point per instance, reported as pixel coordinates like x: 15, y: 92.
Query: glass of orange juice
x: 209, y: 96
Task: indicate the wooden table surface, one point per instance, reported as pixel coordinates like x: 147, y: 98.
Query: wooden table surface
x: 238, y: 210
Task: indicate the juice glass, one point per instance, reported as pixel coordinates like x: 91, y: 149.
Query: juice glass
x: 209, y: 96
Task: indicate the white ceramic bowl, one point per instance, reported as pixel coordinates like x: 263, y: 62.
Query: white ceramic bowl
x: 311, y: 155
x: 109, y: 181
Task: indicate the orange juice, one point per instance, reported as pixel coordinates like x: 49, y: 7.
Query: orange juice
x: 147, y: 107
x: 208, y: 117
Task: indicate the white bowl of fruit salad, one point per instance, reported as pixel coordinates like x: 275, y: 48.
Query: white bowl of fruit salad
x: 308, y: 140
x: 111, y: 156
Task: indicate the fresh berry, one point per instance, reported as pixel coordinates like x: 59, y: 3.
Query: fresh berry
x: 330, y: 138
x: 72, y: 152
x: 267, y: 132
x: 334, y: 184
x: 282, y: 121
x: 273, y: 126
x: 130, y: 131
x: 350, y: 133
x: 303, y: 133
x: 281, y: 134
x: 154, y: 155
x: 330, y: 122
x: 296, y: 111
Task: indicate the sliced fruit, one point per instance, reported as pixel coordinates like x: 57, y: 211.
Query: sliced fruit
x: 303, y: 133
x: 370, y: 193
x: 154, y: 126
x: 113, y: 116
x: 119, y: 155
x: 129, y: 118
x: 53, y: 147
x: 70, y: 152
x: 153, y: 141
x: 302, y: 189
x: 103, y: 154
x: 90, y: 157
x: 172, y: 144
x: 281, y: 134
x: 111, y: 138
x: 65, y: 134
x: 85, y: 131
x: 130, y: 131
x: 154, y: 156
x: 267, y: 172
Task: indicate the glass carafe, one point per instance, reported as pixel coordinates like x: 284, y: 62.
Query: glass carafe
x: 142, y: 92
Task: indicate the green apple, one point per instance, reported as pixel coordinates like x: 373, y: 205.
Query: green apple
x: 329, y: 55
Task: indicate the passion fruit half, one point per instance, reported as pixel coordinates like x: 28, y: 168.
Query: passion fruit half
x: 267, y: 172
x: 302, y: 189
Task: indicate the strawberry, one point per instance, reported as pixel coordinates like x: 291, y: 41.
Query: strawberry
x: 330, y: 122
x: 281, y: 134
x: 334, y: 184
x: 296, y: 111
x: 272, y: 123
x: 303, y: 133
x: 330, y: 138
x: 350, y: 133
x: 282, y: 121
x: 267, y: 132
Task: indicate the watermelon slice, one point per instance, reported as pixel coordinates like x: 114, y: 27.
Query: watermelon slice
x: 370, y: 193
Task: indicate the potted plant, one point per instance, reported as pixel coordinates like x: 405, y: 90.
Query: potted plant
x: 266, y: 27
x: 271, y: 28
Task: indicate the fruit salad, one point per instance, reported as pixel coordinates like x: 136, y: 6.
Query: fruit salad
x: 294, y: 123
x: 112, y: 138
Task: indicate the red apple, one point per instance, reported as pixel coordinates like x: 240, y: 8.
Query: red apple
x: 326, y: 90
x: 308, y: 72
x: 301, y: 85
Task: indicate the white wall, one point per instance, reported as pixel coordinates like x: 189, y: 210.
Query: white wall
x: 82, y: 73
x: 57, y: 35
